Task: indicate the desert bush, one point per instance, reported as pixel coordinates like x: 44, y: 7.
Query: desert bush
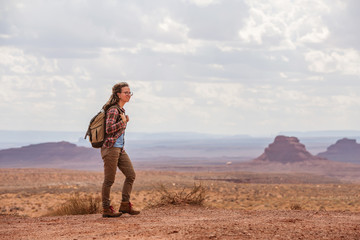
x: 295, y: 206
x: 78, y: 205
x: 193, y: 196
x: 322, y: 208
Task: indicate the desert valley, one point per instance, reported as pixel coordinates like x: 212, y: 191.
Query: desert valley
x: 279, y: 193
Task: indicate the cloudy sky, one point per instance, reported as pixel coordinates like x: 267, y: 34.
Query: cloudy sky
x: 253, y: 67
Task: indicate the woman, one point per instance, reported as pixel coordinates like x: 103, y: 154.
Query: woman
x: 113, y: 153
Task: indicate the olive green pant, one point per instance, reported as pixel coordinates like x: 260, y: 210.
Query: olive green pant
x: 116, y: 158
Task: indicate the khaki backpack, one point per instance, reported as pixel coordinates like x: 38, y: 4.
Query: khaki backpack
x: 97, y: 128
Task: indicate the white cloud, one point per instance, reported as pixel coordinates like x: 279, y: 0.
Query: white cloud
x: 346, y: 101
x: 229, y: 94
x: 40, y: 85
x: 203, y: 3
x: 283, y: 75
x: 316, y: 35
x: 284, y: 58
x: 217, y: 66
x: 82, y: 72
x: 187, y: 47
x: 344, y: 61
x: 14, y: 60
x: 285, y: 24
x: 260, y: 107
x: 151, y: 107
x: 169, y: 25
x: 5, y: 36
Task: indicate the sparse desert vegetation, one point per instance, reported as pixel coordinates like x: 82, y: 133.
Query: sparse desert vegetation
x: 39, y: 192
x: 78, y: 205
x: 196, y: 195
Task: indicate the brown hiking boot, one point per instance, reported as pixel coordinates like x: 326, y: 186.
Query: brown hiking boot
x: 110, y: 212
x: 127, y: 207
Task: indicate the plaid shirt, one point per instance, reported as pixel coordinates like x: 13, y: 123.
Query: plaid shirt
x: 114, y: 128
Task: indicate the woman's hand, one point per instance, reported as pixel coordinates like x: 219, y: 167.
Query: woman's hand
x: 124, y: 118
x: 127, y: 118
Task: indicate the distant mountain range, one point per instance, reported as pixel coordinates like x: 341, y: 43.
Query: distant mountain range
x: 284, y: 150
x: 10, y: 138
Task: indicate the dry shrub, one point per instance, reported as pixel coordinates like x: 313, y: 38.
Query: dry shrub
x: 77, y: 205
x: 295, y: 206
x: 193, y: 196
x: 322, y: 208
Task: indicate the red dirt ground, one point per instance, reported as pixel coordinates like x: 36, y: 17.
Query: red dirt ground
x: 187, y: 222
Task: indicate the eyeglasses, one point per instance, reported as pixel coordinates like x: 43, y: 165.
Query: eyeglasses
x: 128, y: 93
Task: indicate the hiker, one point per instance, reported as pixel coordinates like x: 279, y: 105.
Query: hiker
x: 113, y: 152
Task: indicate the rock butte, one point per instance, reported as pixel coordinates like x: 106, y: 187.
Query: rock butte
x: 286, y: 150
x: 344, y: 150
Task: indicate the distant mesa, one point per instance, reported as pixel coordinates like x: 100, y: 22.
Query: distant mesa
x: 286, y: 150
x: 344, y: 150
x: 51, y: 155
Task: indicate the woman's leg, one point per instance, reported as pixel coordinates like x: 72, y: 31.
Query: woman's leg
x: 110, y: 157
x: 127, y: 169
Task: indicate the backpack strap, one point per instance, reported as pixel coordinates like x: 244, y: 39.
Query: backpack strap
x: 118, y: 108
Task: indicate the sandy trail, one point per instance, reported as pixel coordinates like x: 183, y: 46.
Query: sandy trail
x: 187, y: 222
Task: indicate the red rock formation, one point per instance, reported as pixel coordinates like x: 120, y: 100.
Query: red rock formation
x: 344, y: 150
x: 286, y: 150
